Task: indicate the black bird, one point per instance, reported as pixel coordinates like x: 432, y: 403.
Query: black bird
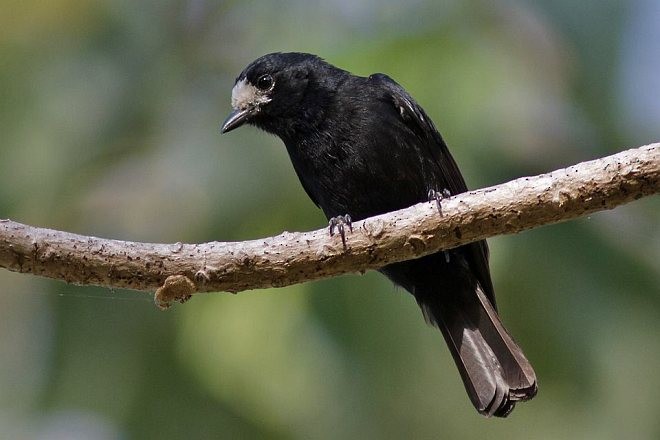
x: 362, y: 146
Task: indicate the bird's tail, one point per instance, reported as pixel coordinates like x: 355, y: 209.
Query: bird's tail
x: 494, y: 369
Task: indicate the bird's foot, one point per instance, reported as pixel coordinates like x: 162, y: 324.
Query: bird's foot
x: 438, y: 196
x: 339, y: 222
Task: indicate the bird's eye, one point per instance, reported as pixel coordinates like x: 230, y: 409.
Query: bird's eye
x: 265, y: 82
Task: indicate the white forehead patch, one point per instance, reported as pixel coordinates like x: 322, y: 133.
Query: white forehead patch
x: 245, y: 95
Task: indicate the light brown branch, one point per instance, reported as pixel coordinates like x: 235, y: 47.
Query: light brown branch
x: 179, y: 270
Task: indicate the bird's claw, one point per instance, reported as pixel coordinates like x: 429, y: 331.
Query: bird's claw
x: 438, y: 196
x: 339, y: 222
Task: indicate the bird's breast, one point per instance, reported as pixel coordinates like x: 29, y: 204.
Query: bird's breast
x: 353, y: 177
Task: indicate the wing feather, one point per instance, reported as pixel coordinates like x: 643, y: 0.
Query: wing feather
x: 447, y: 171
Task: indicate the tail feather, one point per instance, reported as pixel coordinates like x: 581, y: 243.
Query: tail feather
x: 494, y: 369
x: 495, y: 372
x: 519, y: 372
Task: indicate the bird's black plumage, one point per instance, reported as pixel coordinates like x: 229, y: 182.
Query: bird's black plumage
x: 362, y: 146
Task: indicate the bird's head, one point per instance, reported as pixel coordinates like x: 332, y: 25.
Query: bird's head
x: 272, y: 89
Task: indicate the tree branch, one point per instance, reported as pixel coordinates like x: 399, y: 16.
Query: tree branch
x: 179, y: 270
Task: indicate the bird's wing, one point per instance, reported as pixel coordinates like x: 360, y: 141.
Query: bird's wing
x: 417, y: 120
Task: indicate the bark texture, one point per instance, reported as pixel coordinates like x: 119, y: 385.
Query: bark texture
x: 179, y: 270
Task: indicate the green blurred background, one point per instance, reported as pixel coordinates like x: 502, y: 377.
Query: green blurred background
x: 109, y: 125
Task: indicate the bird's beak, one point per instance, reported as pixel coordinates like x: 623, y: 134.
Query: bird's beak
x: 237, y: 118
